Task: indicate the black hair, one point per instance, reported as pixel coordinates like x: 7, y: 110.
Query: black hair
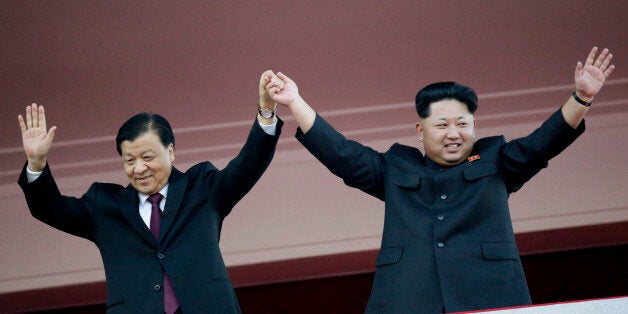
x: 445, y: 90
x: 142, y: 123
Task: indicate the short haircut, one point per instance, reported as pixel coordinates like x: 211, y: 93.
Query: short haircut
x: 445, y: 90
x: 142, y: 123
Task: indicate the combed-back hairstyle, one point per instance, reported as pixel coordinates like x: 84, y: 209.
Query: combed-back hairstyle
x: 142, y: 123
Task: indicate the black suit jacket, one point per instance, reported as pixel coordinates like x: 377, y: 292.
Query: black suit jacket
x: 197, y: 203
x: 448, y: 242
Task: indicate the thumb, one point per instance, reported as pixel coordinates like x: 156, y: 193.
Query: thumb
x: 284, y: 78
x: 51, y: 133
x: 579, y: 68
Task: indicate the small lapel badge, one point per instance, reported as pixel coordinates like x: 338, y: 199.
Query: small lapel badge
x: 473, y: 158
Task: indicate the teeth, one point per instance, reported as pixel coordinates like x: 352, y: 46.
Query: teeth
x: 452, y: 145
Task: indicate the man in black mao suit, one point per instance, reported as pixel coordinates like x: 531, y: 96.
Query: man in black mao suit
x: 448, y: 243
x: 182, y: 270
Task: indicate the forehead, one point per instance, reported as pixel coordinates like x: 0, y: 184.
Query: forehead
x: 148, y: 141
x: 448, y: 108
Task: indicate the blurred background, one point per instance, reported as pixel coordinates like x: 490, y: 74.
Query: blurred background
x: 301, y: 241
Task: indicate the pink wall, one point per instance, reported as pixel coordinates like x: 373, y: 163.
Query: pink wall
x: 93, y: 64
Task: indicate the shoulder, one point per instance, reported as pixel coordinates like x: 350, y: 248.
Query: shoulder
x: 201, y: 171
x: 112, y: 188
x: 404, y: 151
x: 488, y: 144
x: 403, y: 157
x: 200, y: 167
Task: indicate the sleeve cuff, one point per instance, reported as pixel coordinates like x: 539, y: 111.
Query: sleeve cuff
x: 32, y: 175
x: 270, y: 129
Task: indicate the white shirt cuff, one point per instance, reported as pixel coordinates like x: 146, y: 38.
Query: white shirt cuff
x: 32, y: 175
x: 270, y: 129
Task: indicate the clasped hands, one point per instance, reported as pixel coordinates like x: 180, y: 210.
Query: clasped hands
x: 277, y: 88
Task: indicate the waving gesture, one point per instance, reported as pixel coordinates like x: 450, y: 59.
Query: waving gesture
x: 590, y: 77
x: 35, y: 138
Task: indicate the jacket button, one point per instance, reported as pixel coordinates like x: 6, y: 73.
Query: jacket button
x: 441, y: 244
x: 157, y: 287
x: 441, y: 217
x: 161, y: 256
x: 442, y: 197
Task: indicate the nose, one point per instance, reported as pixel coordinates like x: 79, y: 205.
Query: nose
x: 453, y: 132
x: 139, y: 166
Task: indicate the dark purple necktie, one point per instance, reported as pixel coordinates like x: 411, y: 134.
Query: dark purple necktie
x: 170, y: 300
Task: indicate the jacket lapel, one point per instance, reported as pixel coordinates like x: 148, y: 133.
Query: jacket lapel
x: 128, y: 204
x: 176, y: 191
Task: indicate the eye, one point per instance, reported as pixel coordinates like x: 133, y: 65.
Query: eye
x: 148, y: 158
x: 129, y: 161
x: 441, y: 126
x: 463, y: 124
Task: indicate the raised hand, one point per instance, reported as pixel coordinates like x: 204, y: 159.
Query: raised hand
x: 283, y: 90
x: 264, y: 99
x: 36, y: 140
x: 590, y: 77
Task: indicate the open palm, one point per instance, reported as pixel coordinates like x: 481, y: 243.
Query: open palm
x: 590, y: 77
x: 35, y: 139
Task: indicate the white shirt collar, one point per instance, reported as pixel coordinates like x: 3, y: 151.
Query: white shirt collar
x: 144, y: 197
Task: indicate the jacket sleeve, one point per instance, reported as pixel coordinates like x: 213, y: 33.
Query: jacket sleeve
x: 242, y: 172
x: 524, y: 157
x: 47, y: 204
x: 357, y: 165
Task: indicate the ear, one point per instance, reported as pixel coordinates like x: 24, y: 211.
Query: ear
x: 171, y: 152
x: 419, y: 131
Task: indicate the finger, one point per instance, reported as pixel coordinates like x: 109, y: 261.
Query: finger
x: 608, y: 71
x: 20, y: 120
x: 591, y: 55
x: 29, y: 117
x: 606, y: 62
x: 272, y: 84
x: 284, y: 77
x: 42, y: 117
x: 264, y: 79
x: 601, y: 58
x: 35, y: 113
x: 274, y: 90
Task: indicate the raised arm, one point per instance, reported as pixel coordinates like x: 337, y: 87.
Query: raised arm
x: 265, y: 102
x: 358, y: 165
x: 284, y: 91
x: 589, y: 79
x: 35, y: 139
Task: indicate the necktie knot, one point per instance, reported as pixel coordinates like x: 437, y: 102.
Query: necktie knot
x: 155, y: 199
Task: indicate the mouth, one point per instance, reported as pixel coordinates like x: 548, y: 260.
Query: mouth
x: 452, y: 147
x: 143, y: 180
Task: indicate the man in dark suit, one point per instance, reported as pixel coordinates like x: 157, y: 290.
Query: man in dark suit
x: 158, y: 236
x: 448, y: 243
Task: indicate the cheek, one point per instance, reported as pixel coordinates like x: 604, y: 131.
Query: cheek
x: 470, y: 133
x: 128, y: 170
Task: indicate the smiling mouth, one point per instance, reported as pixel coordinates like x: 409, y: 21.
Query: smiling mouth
x: 452, y: 147
x: 143, y: 180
